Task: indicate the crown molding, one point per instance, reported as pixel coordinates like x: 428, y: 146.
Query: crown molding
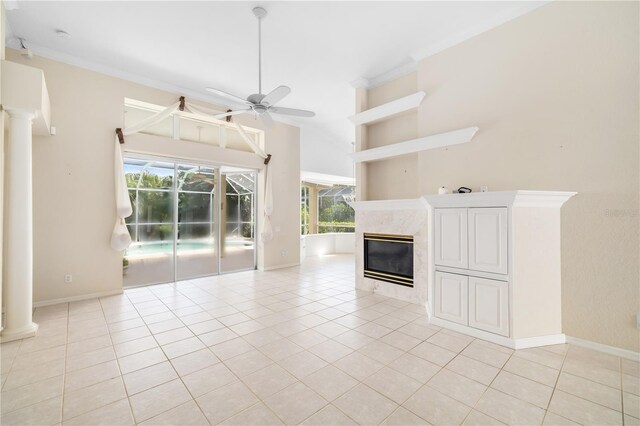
x: 393, y: 74
x: 72, y: 60
x: 522, y: 9
x: 65, y: 58
x: 417, y: 56
x: 360, y: 83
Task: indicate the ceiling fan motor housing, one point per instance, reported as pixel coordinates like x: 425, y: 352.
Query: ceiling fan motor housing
x: 260, y: 109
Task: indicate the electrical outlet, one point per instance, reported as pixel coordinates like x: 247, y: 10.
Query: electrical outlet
x: 68, y: 278
x: 283, y: 253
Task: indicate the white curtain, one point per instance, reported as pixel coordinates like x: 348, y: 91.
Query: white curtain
x: 267, y: 234
x: 120, y: 238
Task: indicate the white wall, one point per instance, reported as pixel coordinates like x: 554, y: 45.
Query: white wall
x: 555, y: 94
x: 321, y: 153
x: 2, y: 156
x: 74, y: 206
x: 330, y: 243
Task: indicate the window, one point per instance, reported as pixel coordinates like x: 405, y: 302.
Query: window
x: 334, y: 212
x: 325, y: 209
x: 183, y: 125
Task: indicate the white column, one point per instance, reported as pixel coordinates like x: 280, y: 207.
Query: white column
x: 18, y: 250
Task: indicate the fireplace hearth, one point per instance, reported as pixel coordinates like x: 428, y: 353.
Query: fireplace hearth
x: 389, y: 258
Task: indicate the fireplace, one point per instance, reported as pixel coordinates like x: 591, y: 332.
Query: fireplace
x: 389, y: 258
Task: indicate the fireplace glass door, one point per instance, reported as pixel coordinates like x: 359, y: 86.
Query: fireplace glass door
x: 389, y: 258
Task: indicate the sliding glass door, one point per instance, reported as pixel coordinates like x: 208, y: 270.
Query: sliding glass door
x: 150, y: 258
x: 180, y: 210
x: 197, y: 241
x: 237, y: 249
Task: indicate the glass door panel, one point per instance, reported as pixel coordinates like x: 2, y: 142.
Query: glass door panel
x: 178, y: 215
x: 150, y: 257
x: 197, y: 225
x: 237, y: 248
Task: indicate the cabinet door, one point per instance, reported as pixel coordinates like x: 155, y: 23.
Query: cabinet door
x: 489, y: 305
x: 488, y: 239
x: 451, y: 297
x: 451, y: 237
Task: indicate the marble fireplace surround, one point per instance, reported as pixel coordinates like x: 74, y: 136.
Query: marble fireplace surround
x: 400, y: 217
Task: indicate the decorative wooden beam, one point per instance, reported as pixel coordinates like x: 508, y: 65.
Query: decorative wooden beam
x: 181, y: 107
x: 266, y: 160
x: 120, y: 135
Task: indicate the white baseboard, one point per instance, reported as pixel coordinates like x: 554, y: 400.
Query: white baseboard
x: 611, y: 350
x: 529, y: 342
x: 76, y: 298
x: 286, y: 265
x: 534, y: 342
x: 473, y: 332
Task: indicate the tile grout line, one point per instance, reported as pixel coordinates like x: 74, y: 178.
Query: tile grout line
x: 597, y: 383
x: 116, y: 360
x: 128, y: 397
x: 282, y: 293
x: 487, y: 388
x: 621, y: 391
x: 172, y: 367
x: 64, y: 378
x: 555, y: 385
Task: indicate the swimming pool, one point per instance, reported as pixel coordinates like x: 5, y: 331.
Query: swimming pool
x: 166, y: 247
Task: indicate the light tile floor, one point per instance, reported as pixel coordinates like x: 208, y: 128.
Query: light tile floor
x: 292, y: 346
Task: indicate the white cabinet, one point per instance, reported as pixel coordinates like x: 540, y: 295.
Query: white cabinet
x: 489, y: 305
x: 474, y: 238
x: 469, y: 242
x: 497, y: 255
x: 451, y: 238
x: 487, y: 239
x: 451, y: 297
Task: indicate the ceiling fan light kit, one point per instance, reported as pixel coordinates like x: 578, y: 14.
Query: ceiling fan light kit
x: 260, y: 104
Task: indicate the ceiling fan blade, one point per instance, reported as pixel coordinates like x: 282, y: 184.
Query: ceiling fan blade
x: 227, y: 114
x: 292, y: 111
x: 276, y: 95
x: 266, y: 120
x: 226, y: 95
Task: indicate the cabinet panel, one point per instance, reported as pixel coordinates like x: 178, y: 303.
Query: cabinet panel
x: 489, y: 305
x: 488, y: 239
x: 452, y: 297
x: 451, y: 238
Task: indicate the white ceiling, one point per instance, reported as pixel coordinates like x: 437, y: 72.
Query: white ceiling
x: 316, y: 48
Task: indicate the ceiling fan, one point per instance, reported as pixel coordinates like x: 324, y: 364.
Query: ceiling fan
x: 262, y: 105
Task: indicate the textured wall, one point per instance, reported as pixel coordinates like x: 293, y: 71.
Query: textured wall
x: 74, y: 209
x: 556, y: 96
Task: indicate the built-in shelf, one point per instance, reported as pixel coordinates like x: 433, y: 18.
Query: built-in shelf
x: 388, y: 110
x: 440, y: 140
